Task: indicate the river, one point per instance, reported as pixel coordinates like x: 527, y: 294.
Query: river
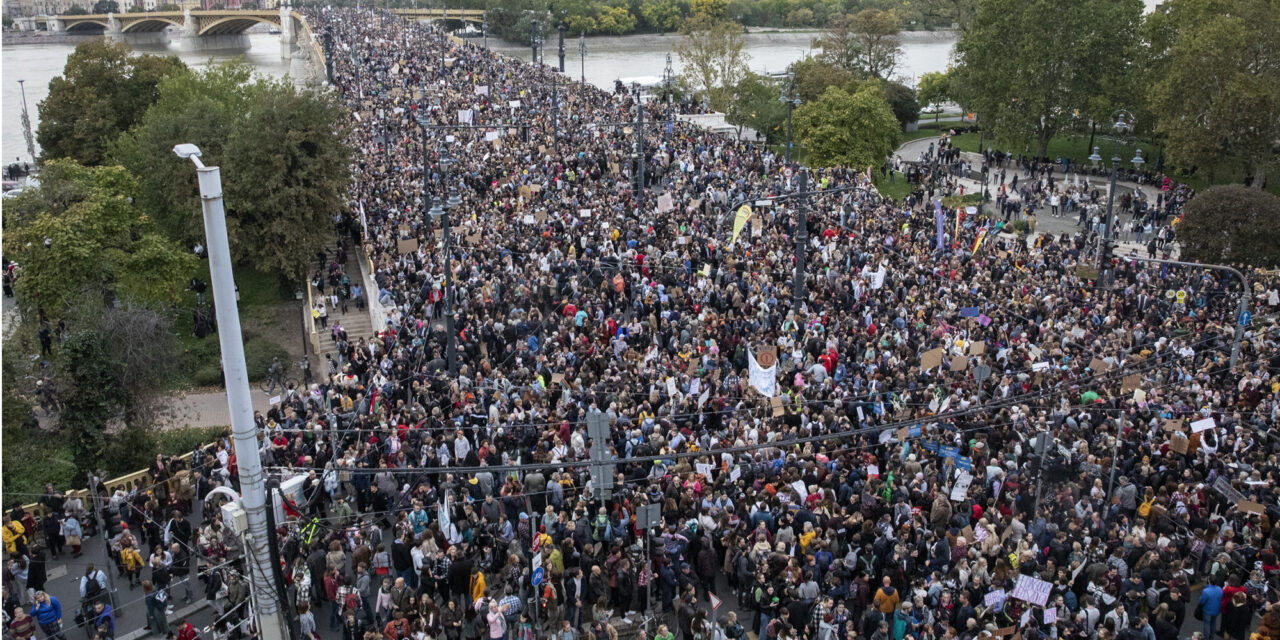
x: 37, y: 64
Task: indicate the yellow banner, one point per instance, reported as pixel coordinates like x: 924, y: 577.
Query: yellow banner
x: 740, y: 221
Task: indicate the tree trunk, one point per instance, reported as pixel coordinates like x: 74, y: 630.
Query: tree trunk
x: 1093, y: 130
x: 1260, y: 171
x: 1042, y: 144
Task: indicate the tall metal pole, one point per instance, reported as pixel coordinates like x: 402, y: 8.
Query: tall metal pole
x: 582, y: 56
x: 1105, y: 270
x: 639, y: 150
x: 1044, y: 454
x: 106, y: 538
x: 451, y: 346
x: 561, y: 30
x: 26, y: 126
x: 555, y: 103
x: 802, y: 236
x: 789, y: 97
x: 668, y: 79
x: 277, y: 575
x: 484, y: 32
x: 533, y: 40
x: 236, y: 376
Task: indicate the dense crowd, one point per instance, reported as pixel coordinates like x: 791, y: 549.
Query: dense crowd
x: 949, y: 433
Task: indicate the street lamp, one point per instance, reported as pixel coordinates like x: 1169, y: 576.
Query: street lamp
x: 236, y: 376
x: 561, y: 29
x: 790, y: 99
x: 1123, y: 127
x: 441, y: 213
x: 535, y: 38
x: 582, y: 56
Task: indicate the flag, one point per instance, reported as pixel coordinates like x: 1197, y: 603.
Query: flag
x: 375, y: 402
x: 740, y: 221
x: 937, y: 213
x: 764, y: 380
x: 982, y: 235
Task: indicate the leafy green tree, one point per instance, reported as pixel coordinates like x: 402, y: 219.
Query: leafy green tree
x: 1024, y: 91
x: 102, y: 92
x: 755, y: 104
x: 878, y: 46
x: 854, y: 130
x: 1232, y: 224
x: 840, y: 46
x: 661, y: 15
x: 713, y: 57
x: 283, y: 156
x: 712, y: 9
x: 615, y: 20
x: 902, y: 99
x: 106, y: 6
x: 75, y: 10
x: 81, y: 234
x: 814, y: 75
x: 934, y: 88
x: 92, y: 398
x: 1215, y: 84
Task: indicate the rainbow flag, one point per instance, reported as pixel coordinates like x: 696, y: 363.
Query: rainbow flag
x: 982, y: 235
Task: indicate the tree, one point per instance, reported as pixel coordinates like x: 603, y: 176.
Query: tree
x: 661, y: 15
x: 934, y: 88
x: 75, y: 10
x: 285, y: 172
x: 814, y: 75
x: 902, y: 100
x: 102, y: 91
x: 853, y: 130
x: 713, y: 57
x: 106, y: 6
x: 755, y: 104
x: 80, y: 235
x: 92, y: 399
x: 840, y: 46
x: 615, y: 20
x: 1024, y: 91
x: 1225, y: 50
x: 1232, y: 224
x: 711, y: 9
x: 878, y: 47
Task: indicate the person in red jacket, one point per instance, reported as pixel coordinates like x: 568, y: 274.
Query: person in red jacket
x: 186, y: 631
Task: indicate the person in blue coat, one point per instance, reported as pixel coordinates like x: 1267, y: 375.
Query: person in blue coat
x: 1211, y: 608
x: 48, y: 614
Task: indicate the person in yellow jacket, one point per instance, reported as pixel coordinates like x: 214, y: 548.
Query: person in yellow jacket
x: 477, y: 585
x: 14, y: 535
x: 132, y: 561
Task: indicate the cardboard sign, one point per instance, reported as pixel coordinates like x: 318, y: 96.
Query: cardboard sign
x: 1130, y: 383
x: 977, y: 348
x: 994, y: 599
x: 959, y: 363
x: 1173, y: 425
x: 407, y: 245
x: 1249, y: 506
x: 931, y: 359
x: 961, y: 488
x: 776, y: 403
x: 1179, y: 443
x: 557, y: 378
x: 1050, y: 615
x: 1004, y: 631
x: 1098, y: 365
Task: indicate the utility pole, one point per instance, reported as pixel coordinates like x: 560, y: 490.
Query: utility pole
x: 561, y: 30
x: 1042, y: 442
x: 802, y: 236
x: 582, y: 56
x: 273, y: 546
x: 555, y: 101
x: 484, y: 31
x: 638, y: 150
x: 244, y: 433
x: 789, y: 98
x: 668, y: 79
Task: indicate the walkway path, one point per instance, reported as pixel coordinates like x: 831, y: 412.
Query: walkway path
x: 1045, y: 222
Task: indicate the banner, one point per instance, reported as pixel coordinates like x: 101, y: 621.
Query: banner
x: 982, y: 235
x: 740, y: 221
x: 763, y: 379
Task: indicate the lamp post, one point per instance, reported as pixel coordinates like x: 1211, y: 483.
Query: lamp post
x: 638, y: 151
x: 441, y: 213
x: 535, y: 39
x: 484, y: 31
x: 561, y: 29
x: 790, y: 99
x: 26, y: 123
x: 582, y: 56
x: 668, y: 80
x: 1123, y: 127
x: 236, y: 376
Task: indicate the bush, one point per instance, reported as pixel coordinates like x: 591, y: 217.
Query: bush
x: 128, y: 450
x: 258, y: 353
x: 1232, y: 224
x: 1020, y: 227
x: 175, y: 442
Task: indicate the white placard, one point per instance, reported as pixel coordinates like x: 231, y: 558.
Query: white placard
x: 705, y: 469
x: 274, y: 400
x: 1050, y: 615
x: 798, y: 485
x: 873, y: 471
x: 961, y: 488
x: 1203, y: 425
x: 1033, y: 590
x: 735, y: 474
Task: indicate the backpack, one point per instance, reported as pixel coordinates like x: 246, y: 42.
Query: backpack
x: 92, y: 588
x: 351, y: 602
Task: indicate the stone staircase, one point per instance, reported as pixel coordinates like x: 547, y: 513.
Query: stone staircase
x: 358, y: 323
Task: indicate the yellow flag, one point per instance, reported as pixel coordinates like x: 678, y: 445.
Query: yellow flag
x: 740, y: 221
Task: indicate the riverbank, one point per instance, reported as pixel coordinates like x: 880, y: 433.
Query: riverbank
x: 17, y: 38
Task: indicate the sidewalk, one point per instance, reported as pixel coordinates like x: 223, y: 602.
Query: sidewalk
x: 206, y: 408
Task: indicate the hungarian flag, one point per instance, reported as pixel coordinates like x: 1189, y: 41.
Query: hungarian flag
x: 375, y: 402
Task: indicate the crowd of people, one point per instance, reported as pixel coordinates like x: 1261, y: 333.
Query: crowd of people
x: 944, y: 432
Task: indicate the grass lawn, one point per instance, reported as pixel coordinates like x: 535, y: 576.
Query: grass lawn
x: 898, y: 189
x: 260, y: 298
x: 1074, y: 147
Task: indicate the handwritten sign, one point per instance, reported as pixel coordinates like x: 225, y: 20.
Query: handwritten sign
x: 1050, y: 615
x: 994, y: 599
x: 1033, y: 590
x: 961, y: 488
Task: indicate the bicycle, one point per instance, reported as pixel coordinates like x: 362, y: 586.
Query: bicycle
x: 277, y: 381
